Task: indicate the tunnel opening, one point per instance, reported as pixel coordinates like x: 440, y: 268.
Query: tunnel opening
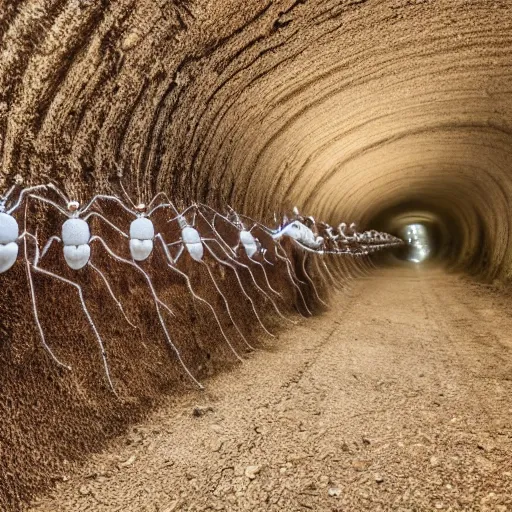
x: 418, y: 248
x: 433, y: 235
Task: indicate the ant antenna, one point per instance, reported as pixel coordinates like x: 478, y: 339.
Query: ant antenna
x: 56, y: 189
x: 120, y: 175
x: 4, y: 198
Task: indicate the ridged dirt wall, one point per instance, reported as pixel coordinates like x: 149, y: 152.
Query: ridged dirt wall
x: 351, y: 109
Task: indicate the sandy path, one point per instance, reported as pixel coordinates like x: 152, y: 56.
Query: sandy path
x: 400, y: 397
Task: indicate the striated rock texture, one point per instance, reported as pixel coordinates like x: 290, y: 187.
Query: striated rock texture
x: 364, y: 109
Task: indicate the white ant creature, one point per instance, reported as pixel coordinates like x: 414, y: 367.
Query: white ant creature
x: 304, y: 238
x: 194, y: 244
x: 76, y: 240
x: 9, y: 231
x: 141, y: 241
x: 252, y: 248
x: 281, y: 255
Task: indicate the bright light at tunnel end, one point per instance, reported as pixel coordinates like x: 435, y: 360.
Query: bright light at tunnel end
x: 417, y: 238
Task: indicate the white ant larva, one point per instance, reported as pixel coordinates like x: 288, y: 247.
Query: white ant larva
x: 141, y: 240
x: 194, y: 244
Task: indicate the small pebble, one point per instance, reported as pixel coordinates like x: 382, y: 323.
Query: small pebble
x: 335, y: 492
x: 127, y: 463
x: 84, y: 490
x: 199, y: 411
x: 252, y: 471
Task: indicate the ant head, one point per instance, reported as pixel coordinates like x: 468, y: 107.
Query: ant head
x: 73, y: 206
x: 141, y: 207
x: 182, y: 222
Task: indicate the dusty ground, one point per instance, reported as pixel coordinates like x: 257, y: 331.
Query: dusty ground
x: 399, y: 398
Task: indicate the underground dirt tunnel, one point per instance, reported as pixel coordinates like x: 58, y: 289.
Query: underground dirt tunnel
x: 395, y: 114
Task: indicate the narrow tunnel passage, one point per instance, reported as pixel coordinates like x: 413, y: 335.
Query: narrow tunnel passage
x: 387, y: 113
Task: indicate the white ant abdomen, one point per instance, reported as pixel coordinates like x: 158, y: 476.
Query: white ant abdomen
x: 8, y: 255
x: 75, y: 237
x: 77, y: 256
x: 192, y: 241
x: 140, y: 249
x: 142, y: 233
x: 9, y: 232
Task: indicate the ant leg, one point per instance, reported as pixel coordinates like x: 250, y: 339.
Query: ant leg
x: 107, y: 222
x: 226, y: 303
x: 258, y: 287
x: 331, y: 277
x: 163, y: 194
x: 311, y: 280
x: 278, y: 311
x: 293, y: 279
x: 100, y: 197
x: 34, y: 306
x: 109, y: 288
x: 265, y: 259
x: 89, y: 319
x: 58, y: 191
x: 51, y: 203
x: 20, y: 197
x: 156, y: 300
x: 180, y: 251
x: 256, y: 262
x: 5, y: 197
x: 122, y: 233
x: 48, y: 244
x: 240, y: 264
x: 222, y: 262
x: 288, y: 262
x: 321, y: 271
x: 219, y: 240
x: 170, y: 205
x: 194, y: 295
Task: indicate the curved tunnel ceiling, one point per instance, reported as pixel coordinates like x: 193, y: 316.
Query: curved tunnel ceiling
x: 346, y: 108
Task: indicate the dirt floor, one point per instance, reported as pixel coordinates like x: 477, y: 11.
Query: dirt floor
x: 398, y: 398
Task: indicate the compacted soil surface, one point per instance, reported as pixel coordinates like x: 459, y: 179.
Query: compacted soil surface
x: 397, y: 398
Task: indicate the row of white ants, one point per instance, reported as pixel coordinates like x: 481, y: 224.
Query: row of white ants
x: 249, y: 251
